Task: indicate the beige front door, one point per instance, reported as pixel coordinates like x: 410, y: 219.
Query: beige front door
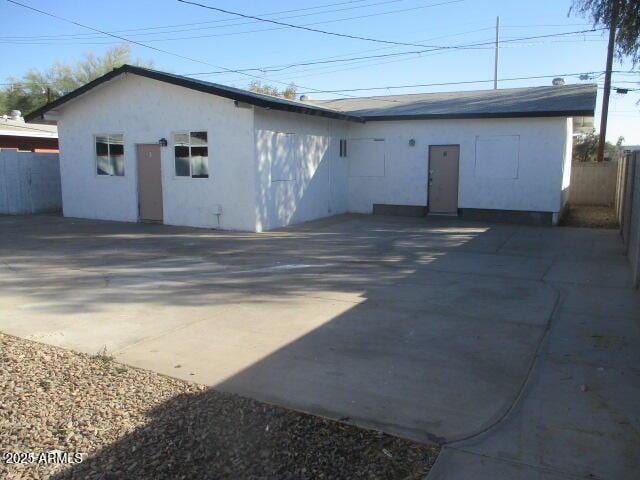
x: 443, y: 178
x: 149, y: 183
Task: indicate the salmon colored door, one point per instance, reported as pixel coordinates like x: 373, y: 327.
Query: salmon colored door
x: 149, y: 183
x: 443, y: 178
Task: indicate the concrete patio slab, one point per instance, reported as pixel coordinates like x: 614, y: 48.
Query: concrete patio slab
x: 579, y: 414
x: 426, y: 328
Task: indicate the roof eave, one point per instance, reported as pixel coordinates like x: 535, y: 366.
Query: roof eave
x: 462, y: 116
x: 211, y: 89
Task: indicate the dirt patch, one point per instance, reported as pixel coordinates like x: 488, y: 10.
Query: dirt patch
x: 130, y: 423
x: 590, y: 217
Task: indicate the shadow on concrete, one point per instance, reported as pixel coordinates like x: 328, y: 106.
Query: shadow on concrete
x: 424, y: 328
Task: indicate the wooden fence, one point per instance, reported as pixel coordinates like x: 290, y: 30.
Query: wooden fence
x: 29, y: 182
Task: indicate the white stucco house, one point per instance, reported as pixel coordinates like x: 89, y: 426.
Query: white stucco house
x: 138, y: 144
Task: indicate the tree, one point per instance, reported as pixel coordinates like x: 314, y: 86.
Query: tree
x: 289, y: 93
x: 36, y: 87
x: 601, y: 13
x: 585, y: 147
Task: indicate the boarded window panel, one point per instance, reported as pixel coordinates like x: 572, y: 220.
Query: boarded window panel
x: 181, y: 139
x: 497, y: 156
x: 198, y: 139
x: 366, y: 157
x: 284, y: 157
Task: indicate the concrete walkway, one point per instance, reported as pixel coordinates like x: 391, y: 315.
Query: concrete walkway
x: 578, y: 415
x: 430, y: 329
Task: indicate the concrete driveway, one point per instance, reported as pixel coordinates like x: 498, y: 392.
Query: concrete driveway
x: 423, y: 328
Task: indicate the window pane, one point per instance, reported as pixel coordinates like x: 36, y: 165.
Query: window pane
x: 116, y: 154
x: 198, y: 139
x: 180, y: 139
x: 199, y: 162
x: 101, y: 146
x: 182, y: 161
x: 103, y: 167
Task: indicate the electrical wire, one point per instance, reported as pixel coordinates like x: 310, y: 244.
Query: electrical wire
x: 395, y: 54
x: 315, y: 30
x: 192, y: 37
x: 157, y: 27
x: 310, y: 90
x: 135, y: 42
x: 94, y: 36
x: 464, y: 82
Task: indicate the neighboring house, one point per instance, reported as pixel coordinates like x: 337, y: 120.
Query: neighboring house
x: 138, y: 144
x: 16, y: 134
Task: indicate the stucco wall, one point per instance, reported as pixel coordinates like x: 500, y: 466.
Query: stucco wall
x: 566, y: 166
x: 146, y: 110
x: 535, y: 185
x: 29, y: 182
x: 258, y: 184
x: 300, y: 175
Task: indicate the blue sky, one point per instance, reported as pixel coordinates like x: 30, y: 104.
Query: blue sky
x: 224, y: 41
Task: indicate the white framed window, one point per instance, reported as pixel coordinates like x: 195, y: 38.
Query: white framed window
x: 191, y: 150
x: 109, y: 151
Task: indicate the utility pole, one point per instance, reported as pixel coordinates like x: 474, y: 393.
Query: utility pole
x: 48, y: 94
x: 495, y: 70
x: 607, y: 85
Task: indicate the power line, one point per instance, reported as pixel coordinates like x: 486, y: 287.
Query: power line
x: 224, y: 20
x: 144, y: 45
x: 229, y: 70
x: 348, y: 55
x: 275, y: 67
x: 94, y: 36
x: 464, y: 82
x: 395, y: 54
x: 315, y: 30
x: 194, y: 23
x: 27, y: 42
x: 367, y: 64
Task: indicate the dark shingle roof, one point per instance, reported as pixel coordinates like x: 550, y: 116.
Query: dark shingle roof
x: 567, y: 100
x: 560, y: 101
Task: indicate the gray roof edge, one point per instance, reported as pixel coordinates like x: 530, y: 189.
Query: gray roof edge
x: 470, y: 116
x: 274, y: 103
x: 251, y: 98
x: 590, y: 86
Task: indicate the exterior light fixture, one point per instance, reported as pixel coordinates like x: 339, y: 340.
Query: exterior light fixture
x: 162, y: 142
x: 412, y: 142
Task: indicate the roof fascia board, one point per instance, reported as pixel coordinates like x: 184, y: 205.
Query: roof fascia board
x: 211, y: 89
x: 462, y: 116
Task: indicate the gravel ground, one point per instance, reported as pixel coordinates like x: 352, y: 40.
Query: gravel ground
x: 130, y: 423
x: 590, y: 216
